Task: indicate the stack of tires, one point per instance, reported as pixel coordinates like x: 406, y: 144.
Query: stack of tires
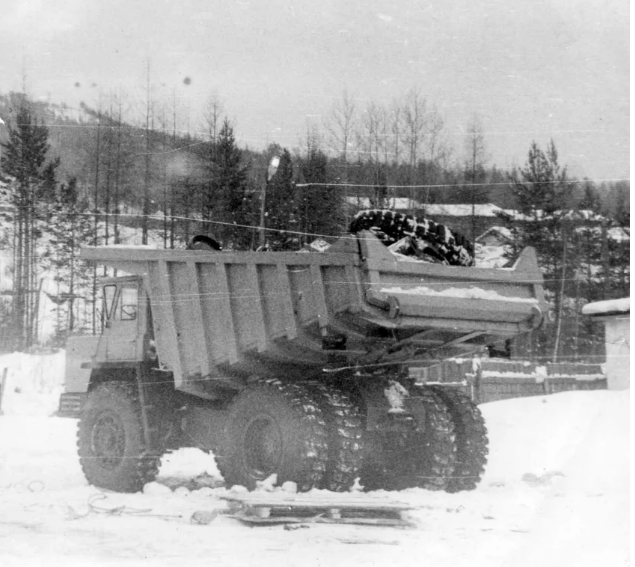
x: 426, y: 239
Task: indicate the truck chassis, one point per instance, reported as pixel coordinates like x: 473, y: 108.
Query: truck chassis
x: 293, y: 364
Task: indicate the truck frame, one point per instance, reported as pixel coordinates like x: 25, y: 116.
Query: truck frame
x: 290, y: 363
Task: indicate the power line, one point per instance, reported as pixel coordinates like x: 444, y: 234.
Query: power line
x: 457, y: 185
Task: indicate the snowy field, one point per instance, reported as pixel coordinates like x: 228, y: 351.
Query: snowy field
x: 556, y: 492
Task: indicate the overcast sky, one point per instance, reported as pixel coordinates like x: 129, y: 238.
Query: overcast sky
x: 531, y: 69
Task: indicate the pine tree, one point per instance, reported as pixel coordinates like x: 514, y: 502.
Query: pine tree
x: 587, y: 221
x: 542, y: 192
x: 281, y: 207
x: 616, y: 269
x: 70, y: 227
x: 228, y: 198
x: 24, y: 158
x: 321, y: 205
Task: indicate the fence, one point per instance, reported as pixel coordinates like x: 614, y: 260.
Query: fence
x: 490, y: 380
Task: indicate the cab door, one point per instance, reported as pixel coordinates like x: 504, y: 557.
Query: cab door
x: 121, y: 339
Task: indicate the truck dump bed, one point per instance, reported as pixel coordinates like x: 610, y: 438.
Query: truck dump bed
x: 223, y: 314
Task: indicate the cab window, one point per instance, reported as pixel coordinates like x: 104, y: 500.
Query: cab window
x: 128, y: 302
x: 108, y: 301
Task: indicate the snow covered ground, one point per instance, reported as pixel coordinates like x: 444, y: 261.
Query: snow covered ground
x: 556, y: 492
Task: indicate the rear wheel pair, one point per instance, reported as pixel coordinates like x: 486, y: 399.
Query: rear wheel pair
x: 448, y: 454
x: 311, y: 436
x: 314, y: 436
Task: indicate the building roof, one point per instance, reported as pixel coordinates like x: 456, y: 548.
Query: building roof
x: 440, y: 209
x: 609, y: 307
x: 501, y: 231
x: 463, y: 210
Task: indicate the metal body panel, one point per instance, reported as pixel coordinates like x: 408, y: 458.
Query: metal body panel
x: 79, y: 350
x: 221, y: 314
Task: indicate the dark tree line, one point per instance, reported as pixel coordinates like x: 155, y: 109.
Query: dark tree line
x: 583, y: 248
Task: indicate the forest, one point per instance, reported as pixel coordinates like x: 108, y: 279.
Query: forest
x: 145, y: 172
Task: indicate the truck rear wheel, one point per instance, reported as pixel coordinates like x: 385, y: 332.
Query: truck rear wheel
x: 430, y: 455
x: 345, y: 431
x: 414, y: 459
x: 471, y: 439
x: 110, y: 439
x: 274, y: 428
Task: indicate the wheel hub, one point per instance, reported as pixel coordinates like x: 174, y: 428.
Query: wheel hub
x: 108, y: 440
x: 262, y: 443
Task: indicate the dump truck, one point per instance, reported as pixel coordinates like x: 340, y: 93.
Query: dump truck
x: 297, y: 364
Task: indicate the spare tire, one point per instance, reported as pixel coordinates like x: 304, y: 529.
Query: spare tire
x: 432, y: 239
x: 203, y: 242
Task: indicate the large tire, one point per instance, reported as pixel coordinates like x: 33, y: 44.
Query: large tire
x: 471, y: 439
x: 110, y: 440
x: 434, y: 450
x: 274, y: 428
x: 415, y: 459
x: 434, y: 240
x: 345, y: 433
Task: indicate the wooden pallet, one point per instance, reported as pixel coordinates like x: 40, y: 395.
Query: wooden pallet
x: 276, y: 508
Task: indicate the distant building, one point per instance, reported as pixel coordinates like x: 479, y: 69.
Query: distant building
x: 616, y: 315
x: 496, y: 236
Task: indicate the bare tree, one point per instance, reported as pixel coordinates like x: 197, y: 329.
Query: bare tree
x: 371, y: 135
x: 149, y: 127
x: 414, y: 122
x: 212, y: 116
x: 475, y: 159
x: 370, y: 132
x: 396, y: 130
x: 120, y: 162
x: 340, y: 125
x: 438, y: 149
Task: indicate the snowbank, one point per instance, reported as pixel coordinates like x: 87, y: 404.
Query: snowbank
x: 608, y: 307
x: 33, y: 383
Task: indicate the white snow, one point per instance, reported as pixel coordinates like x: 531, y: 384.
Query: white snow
x: 499, y: 374
x: 465, y: 293
x: 463, y: 210
x: 490, y: 256
x: 556, y: 492
x: 153, y: 246
x: 610, y: 306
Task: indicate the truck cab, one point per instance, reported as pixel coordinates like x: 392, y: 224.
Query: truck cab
x: 124, y: 318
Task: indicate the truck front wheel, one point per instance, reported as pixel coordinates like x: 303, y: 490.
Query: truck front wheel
x: 110, y: 439
x: 274, y: 428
